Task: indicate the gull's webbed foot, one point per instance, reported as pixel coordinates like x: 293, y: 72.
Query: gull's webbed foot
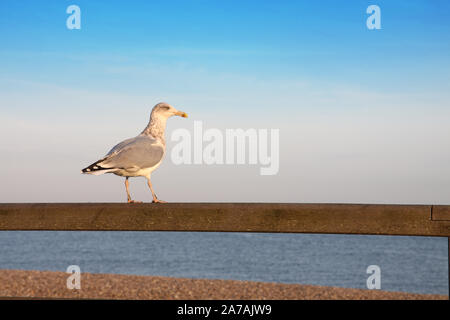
x: 134, y: 201
x: 156, y: 200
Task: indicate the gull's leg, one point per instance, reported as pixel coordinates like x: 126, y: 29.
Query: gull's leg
x: 128, y: 192
x: 155, y: 199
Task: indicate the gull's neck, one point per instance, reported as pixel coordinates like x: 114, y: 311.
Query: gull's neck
x: 156, y: 127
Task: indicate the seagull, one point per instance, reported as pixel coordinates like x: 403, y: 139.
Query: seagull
x: 141, y: 155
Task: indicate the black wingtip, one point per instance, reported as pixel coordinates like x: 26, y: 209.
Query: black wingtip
x: 94, y: 167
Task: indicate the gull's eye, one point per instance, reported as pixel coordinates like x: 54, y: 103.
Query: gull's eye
x: 165, y: 108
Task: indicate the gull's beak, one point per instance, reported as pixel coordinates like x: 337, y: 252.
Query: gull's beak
x: 181, y: 114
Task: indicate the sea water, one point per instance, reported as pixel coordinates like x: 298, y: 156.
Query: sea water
x: 410, y: 264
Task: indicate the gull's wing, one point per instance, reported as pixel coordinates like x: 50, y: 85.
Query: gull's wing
x: 131, y: 155
x: 139, y: 152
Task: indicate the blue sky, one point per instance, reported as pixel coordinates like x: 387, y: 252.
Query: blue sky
x: 317, y: 40
x: 310, y: 68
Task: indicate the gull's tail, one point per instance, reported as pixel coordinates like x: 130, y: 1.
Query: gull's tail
x: 97, y: 169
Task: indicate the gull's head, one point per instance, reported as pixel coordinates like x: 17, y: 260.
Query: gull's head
x: 165, y: 110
